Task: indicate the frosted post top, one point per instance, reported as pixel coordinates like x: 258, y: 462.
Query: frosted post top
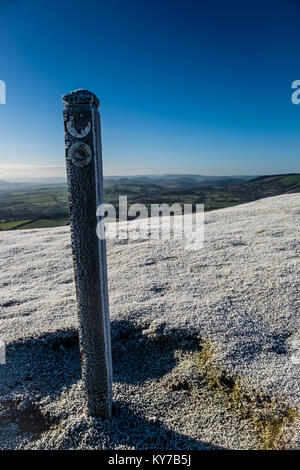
x: 80, y: 96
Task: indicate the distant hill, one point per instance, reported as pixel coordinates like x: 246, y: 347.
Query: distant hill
x: 4, y: 185
x: 30, y: 183
x: 214, y: 196
x: 177, y: 180
x: 46, y: 206
x: 285, y: 183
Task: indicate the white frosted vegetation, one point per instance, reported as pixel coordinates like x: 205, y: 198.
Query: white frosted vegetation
x: 240, y: 292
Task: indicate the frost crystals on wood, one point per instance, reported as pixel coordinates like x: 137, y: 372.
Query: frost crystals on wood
x: 85, y: 191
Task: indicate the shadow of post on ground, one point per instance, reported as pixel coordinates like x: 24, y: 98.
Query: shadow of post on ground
x: 48, y: 364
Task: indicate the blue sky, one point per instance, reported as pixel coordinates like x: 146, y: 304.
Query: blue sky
x: 185, y: 86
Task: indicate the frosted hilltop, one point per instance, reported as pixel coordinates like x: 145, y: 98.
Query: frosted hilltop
x: 206, y: 343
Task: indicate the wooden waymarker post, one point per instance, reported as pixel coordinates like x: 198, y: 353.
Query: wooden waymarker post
x: 85, y: 191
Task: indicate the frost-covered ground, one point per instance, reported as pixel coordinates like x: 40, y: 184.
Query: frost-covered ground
x: 206, y: 343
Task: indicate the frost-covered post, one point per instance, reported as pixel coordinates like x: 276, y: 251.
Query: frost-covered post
x: 85, y: 191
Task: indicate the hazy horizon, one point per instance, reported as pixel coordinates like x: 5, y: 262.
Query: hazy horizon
x: 32, y: 172
x: 20, y: 173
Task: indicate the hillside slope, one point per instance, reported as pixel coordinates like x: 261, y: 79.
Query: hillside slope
x: 197, y: 336
x: 277, y: 184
